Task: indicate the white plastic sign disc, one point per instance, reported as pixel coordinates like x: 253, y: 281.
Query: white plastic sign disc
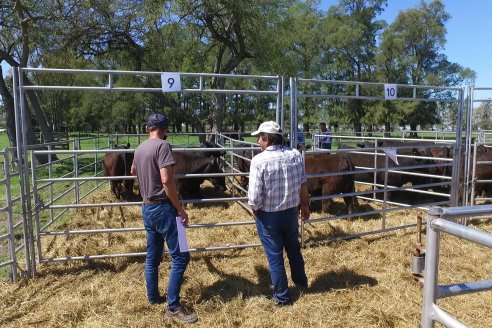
x: 171, y: 82
x: 390, y: 91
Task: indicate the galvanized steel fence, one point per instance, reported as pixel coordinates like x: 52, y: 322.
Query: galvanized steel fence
x: 32, y: 185
x: 440, y: 221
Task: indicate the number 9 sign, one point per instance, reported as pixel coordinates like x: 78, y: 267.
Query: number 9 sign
x: 390, y: 91
x: 171, y: 82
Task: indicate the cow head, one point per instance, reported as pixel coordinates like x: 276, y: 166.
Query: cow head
x: 215, y: 166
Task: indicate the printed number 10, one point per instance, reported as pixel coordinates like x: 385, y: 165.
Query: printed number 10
x: 390, y: 92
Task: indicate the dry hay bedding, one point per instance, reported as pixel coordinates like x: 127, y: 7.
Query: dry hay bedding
x: 362, y: 282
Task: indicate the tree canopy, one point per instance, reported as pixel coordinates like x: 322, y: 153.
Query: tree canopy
x: 292, y: 38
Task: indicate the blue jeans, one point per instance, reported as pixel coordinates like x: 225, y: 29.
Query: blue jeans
x: 160, y: 225
x: 279, y: 230
x: 326, y: 145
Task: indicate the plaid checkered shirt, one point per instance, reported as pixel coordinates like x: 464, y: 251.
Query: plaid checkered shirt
x: 275, y: 179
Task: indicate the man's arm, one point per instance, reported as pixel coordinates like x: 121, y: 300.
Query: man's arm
x: 255, y: 189
x: 169, y: 184
x: 133, y: 170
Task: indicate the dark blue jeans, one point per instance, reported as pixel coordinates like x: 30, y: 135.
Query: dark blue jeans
x: 160, y: 225
x: 279, y: 230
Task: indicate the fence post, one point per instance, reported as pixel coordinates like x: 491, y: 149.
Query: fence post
x: 431, y: 268
x: 76, y: 146
x: 385, y: 206
x: 10, y: 219
x: 50, y: 175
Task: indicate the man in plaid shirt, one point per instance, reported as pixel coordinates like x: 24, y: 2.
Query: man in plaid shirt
x: 276, y: 187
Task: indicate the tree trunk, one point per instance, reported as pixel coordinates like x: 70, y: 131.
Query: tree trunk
x: 8, y: 102
x: 217, y: 117
x: 387, y: 130
x: 38, y: 113
x: 10, y: 118
x: 413, y: 129
x: 357, y: 128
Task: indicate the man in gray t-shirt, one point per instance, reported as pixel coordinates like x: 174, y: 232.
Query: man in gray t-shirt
x: 153, y: 154
x: 153, y: 166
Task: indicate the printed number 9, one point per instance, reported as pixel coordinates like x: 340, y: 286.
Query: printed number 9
x: 170, y: 81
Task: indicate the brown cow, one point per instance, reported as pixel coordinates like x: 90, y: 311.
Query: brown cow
x: 198, y: 162
x: 244, y: 162
x: 330, y: 185
x: 119, y: 164
x: 482, y: 171
x: 421, y: 155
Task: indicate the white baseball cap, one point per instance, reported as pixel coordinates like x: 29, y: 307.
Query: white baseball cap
x: 268, y: 127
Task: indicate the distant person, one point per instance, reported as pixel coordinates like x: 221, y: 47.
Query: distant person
x: 301, y: 140
x: 277, y: 186
x: 153, y: 166
x: 323, y: 137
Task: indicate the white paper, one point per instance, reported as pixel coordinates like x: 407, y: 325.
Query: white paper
x: 391, y: 152
x: 182, y: 239
x: 171, y: 82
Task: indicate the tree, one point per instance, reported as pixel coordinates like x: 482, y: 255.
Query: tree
x: 351, y: 40
x: 232, y: 32
x: 411, y: 52
x: 483, y: 116
x: 25, y: 27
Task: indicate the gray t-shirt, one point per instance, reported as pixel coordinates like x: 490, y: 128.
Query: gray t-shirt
x: 150, y: 156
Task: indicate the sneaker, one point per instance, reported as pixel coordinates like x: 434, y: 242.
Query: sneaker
x: 282, y: 304
x: 182, y: 314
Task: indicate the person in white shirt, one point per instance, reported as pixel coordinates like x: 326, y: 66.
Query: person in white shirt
x: 277, y: 185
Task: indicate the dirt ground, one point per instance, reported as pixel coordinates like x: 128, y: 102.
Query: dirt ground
x: 362, y: 282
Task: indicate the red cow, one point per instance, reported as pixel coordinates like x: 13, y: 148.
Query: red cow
x: 119, y: 164
x: 330, y: 185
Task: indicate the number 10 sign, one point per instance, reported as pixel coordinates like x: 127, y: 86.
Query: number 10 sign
x: 390, y: 91
x: 171, y: 82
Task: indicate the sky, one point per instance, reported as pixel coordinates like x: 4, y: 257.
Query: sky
x: 467, y: 32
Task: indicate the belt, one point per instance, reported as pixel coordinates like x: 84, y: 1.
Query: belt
x: 158, y: 201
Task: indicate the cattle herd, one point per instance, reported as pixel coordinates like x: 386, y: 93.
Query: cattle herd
x: 421, y: 165
x: 187, y: 162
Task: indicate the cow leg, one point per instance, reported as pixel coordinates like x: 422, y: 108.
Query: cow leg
x: 114, y: 188
x: 122, y: 220
x: 128, y: 189
x: 326, y: 204
x: 325, y: 191
x: 351, y: 203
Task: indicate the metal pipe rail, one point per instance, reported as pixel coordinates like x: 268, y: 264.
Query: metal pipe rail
x: 438, y: 221
x: 11, y: 259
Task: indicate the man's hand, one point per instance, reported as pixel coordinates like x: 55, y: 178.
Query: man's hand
x: 184, y: 217
x: 305, y: 213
